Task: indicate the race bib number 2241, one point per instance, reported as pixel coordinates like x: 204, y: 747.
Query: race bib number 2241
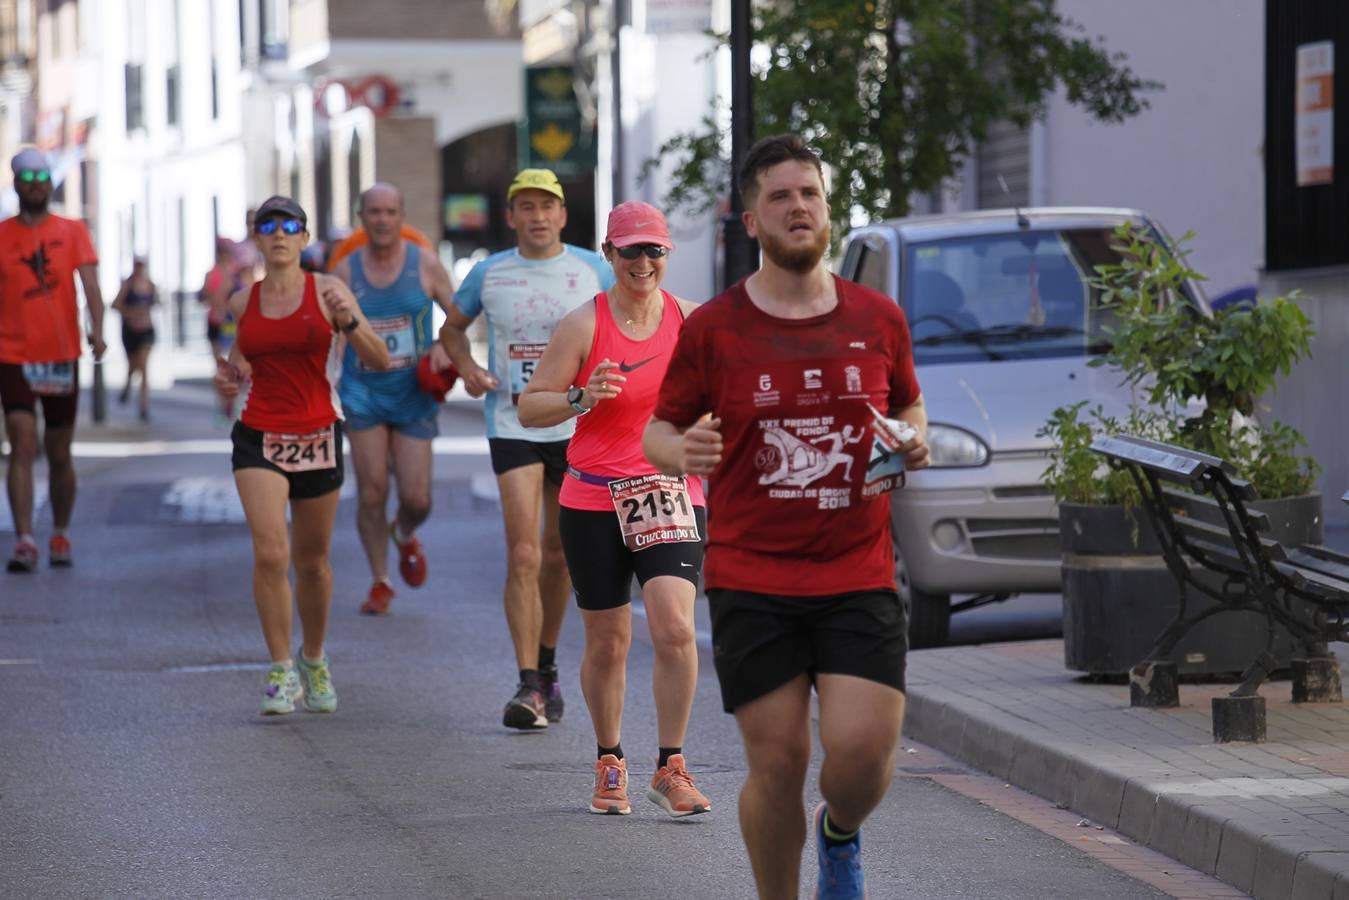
x: 301, y: 452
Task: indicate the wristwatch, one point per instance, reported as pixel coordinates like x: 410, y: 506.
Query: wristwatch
x: 350, y: 326
x: 574, y: 395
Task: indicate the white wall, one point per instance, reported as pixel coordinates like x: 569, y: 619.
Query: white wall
x: 668, y: 83
x: 143, y: 176
x: 1194, y: 159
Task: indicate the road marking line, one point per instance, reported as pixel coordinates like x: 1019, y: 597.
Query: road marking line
x: 443, y: 446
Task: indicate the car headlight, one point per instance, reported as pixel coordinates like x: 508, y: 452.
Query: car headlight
x: 951, y: 447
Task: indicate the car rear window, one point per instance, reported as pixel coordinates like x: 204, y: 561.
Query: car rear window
x: 1006, y: 296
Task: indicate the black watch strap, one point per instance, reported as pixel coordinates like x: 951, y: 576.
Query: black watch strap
x: 351, y: 326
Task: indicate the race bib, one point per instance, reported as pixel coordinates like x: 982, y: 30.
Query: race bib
x: 50, y: 379
x: 885, y: 467
x: 522, y: 359
x: 301, y: 452
x: 654, y: 509
x: 396, y: 332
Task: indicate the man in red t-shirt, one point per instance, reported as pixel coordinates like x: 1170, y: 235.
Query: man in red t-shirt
x: 40, y: 254
x: 771, y: 391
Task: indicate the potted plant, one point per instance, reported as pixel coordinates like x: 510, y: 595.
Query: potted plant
x: 1199, y: 378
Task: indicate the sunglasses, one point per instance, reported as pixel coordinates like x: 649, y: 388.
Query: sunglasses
x: 29, y: 176
x: 652, y: 251
x: 289, y: 226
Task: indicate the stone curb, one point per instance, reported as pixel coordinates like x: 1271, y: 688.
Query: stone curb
x: 1215, y: 836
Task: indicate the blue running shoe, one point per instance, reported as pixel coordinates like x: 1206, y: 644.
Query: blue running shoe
x: 319, y: 694
x: 840, y: 867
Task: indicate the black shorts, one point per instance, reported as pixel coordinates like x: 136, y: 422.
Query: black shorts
x: 513, y: 453
x: 303, y: 485
x: 602, y: 566
x: 762, y: 641
x: 133, y: 340
x: 58, y: 410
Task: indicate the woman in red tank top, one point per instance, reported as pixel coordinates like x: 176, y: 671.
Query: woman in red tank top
x: 288, y: 443
x: 619, y: 517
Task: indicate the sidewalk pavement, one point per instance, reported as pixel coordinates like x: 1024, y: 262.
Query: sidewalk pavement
x: 1271, y: 819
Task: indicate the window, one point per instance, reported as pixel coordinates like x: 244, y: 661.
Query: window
x: 1016, y: 295
x: 135, y: 109
x: 275, y: 28
x: 873, y: 265
x: 171, y: 90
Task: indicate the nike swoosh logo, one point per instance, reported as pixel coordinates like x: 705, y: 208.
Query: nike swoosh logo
x: 624, y: 367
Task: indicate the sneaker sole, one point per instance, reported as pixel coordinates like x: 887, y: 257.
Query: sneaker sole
x: 660, y: 800
x: 23, y: 567
x: 277, y: 712
x: 613, y: 809
x: 320, y: 709
x: 61, y: 563
x: 554, y: 714
x: 375, y: 612
x: 523, y: 718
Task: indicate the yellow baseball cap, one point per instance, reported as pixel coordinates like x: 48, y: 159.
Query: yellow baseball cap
x: 535, y: 180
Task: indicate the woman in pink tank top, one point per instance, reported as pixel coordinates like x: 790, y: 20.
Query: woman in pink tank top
x: 619, y: 517
x: 288, y: 443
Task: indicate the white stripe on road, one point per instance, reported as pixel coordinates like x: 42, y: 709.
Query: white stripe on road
x: 445, y: 446
x: 19, y: 662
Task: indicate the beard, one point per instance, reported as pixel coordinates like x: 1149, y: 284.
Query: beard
x: 797, y: 259
x: 33, y: 207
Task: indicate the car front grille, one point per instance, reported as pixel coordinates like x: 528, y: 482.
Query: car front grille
x: 1021, y: 539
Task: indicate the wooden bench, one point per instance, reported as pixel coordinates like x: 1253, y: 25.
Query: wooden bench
x: 1216, y: 546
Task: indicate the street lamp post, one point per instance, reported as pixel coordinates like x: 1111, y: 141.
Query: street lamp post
x: 742, y: 252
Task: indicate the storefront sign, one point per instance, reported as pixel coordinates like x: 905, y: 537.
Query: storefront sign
x: 554, y: 134
x: 1315, y: 117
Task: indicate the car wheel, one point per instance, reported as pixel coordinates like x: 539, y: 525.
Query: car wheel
x: 929, y: 614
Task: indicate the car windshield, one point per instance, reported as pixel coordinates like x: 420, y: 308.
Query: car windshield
x: 1006, y: 296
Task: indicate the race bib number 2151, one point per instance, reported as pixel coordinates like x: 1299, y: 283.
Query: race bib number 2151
x: 654, y: 509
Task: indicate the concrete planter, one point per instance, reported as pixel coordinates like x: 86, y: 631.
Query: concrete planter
x: 1118, y: 595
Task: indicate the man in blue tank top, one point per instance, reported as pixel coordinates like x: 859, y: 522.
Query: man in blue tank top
x: 524, y: 292
x: 389, y: 418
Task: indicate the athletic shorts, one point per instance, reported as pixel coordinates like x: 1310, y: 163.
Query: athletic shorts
x: 762, y: 641
x: 133, y: 340
x: 512, y: 453
x: 248, y: 454
x: 602, y: 566
x: 424, y: 428
x: 58, y: 411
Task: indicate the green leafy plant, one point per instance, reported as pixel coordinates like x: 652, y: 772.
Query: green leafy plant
x: 896, y: 94
x: 1201, y: 375
x: 1076, y: 474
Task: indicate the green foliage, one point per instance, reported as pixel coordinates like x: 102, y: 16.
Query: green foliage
x: 897, y: 93
x: 1182, y: 360
x: 1075, y: 473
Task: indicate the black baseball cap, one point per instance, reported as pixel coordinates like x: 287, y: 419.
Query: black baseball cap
x: 278, y: 206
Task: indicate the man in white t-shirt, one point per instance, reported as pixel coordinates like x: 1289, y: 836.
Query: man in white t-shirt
x: 524, y: 292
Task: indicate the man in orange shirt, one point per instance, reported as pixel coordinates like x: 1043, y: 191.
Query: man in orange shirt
x: 40, y: 253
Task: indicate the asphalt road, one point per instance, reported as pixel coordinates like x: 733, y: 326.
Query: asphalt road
x: 133, y: 761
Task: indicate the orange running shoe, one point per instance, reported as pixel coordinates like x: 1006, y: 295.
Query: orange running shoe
x: 673, y: 791
x: 378, y: 600
x: 58, y: 551
x: 611, y: 787
x: 411, y: 560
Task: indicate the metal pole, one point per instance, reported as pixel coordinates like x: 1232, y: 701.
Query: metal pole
x: 616, y: 77
x: 742, y: 253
